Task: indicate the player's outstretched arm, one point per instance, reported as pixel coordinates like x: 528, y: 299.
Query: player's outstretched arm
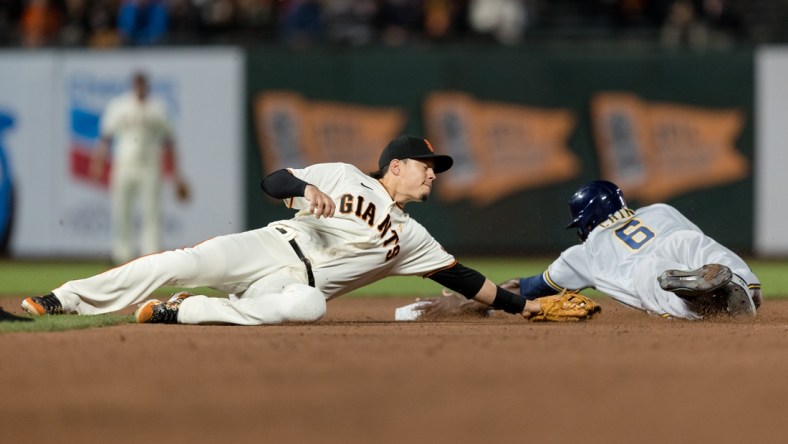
x: 530, y: 287
x: 502, y: 299
x: 451, y: 304
x: 182, y: 189
x: 99, y: 158
x: 473, y: 285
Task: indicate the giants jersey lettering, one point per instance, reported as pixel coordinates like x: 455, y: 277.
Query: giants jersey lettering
x: 369, y: 237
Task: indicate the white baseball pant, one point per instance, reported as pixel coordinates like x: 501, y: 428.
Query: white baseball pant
x: 259, y: 269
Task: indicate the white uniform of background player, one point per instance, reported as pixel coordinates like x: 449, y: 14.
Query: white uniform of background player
x: 138, y: 127
x: 289, y: 269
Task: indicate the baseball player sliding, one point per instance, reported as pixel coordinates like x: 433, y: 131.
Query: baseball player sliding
x: 653, y: 259
x: 350, y: 230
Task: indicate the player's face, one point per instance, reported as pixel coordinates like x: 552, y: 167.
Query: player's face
x: 141, y: 88
x: 417, y: 177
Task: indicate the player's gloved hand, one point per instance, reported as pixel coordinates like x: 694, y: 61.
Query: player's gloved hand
x: 182, y: 191
x: 320, y: 203
x: 567, y: 306
x: 450, y: 305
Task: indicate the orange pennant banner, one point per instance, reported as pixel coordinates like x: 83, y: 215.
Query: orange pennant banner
x: 295, y: 132
x: 498, y: 148
x: 655, y: 151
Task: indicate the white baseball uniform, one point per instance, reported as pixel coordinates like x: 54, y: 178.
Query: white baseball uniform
x: 370, y: 237
x: 138, y: 129
x: 623, y: 256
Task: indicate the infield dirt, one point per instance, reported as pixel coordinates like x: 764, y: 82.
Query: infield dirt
x: 358, y: 377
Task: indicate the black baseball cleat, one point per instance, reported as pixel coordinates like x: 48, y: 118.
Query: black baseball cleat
x: 43, y: 305
x: 154, y: 311
x: 693, y: 283
x: 10, y: 317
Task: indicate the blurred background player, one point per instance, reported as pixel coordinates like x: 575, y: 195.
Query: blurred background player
x: 136, y: 125
x: 653, y: 259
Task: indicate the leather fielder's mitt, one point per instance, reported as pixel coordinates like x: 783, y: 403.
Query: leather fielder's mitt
x: 567, y: 306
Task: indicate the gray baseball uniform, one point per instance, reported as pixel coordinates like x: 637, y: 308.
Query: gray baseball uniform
x: 623, y: 256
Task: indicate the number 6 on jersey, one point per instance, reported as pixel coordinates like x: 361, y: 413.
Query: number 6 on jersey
x: 633, y: 235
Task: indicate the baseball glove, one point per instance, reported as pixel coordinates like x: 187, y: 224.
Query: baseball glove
x: 182, y: 192
x: 567, y: 306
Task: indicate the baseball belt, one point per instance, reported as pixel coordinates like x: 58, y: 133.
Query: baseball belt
x: 309, y: 275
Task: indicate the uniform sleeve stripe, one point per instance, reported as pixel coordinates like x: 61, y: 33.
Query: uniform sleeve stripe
x: 754, y: 286
x: 440, y: 269
x: 550, y: 282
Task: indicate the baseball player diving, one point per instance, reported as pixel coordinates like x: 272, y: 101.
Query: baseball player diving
x: 350, y: 230
x: 652, y: 259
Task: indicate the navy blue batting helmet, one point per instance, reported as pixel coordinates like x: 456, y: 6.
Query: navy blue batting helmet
x: 593, y: 203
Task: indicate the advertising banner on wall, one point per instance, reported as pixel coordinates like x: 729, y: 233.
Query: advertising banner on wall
x: 499, y: 148
x: 771, y: 211
x: 53, y: 102
x: 657, y: 151
x: 293, y: 131
x: 525, y: 128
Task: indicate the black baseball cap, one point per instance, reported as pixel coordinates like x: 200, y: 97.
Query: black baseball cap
x: 411, y: 147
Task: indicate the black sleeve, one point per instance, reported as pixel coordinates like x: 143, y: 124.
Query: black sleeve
x: 281, y: 184
x: 461, y: 279
x: 468, y: 282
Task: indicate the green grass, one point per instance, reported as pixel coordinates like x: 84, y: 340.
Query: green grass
x: 33, y: 278
x: 26, y: 278
x: 65, y: 322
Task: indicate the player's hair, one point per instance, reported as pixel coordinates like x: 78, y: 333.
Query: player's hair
x: 377, y: 175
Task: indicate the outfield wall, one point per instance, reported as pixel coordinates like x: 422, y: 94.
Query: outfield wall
x: 525, y: 127
x: 772, y: 159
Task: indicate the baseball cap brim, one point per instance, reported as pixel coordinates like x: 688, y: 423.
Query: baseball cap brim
x: 442, y: 161
x: 411, y: 147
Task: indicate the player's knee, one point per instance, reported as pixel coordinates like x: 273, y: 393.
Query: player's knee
x: 303, y: 304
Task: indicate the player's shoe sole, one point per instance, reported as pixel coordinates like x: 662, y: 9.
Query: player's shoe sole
x: 42, y: 305
x: 739, y: 302
x: 693, y: 283
x: 33, y: 308
x: 144, y: 314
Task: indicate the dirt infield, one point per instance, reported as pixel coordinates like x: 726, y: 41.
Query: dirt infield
x: 358, y: 377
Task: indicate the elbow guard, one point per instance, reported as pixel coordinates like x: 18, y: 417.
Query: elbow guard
x: 461, y: 279
x: 282, y: 185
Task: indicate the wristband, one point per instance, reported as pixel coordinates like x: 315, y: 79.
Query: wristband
x: 508, y: 301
